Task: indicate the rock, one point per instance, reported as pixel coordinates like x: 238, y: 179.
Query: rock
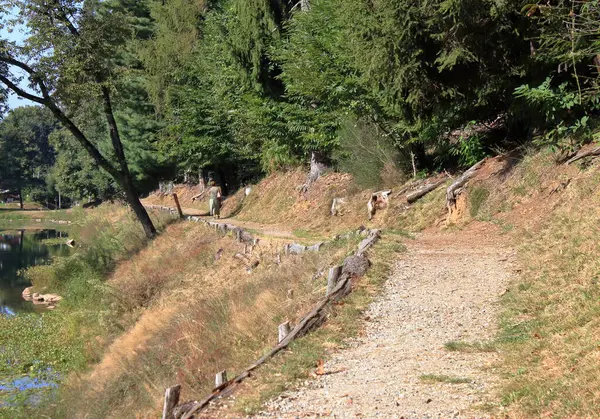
x: 27, y: 293
x: 315, y: 247
x: 36, y: 298
x: 295, y: 249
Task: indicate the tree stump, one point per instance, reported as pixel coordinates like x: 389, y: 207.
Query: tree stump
x: 220, y: 379
x: 284, y: 330
x: 171, y: 400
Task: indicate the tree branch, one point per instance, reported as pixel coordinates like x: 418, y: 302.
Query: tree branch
x: 13, y: 61
x: 32, y: 74
x: 22, y: 93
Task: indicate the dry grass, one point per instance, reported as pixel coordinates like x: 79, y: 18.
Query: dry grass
x: 551, y: 325
x: 553, y: 318
x: 300, y: 361
x: 277, y: 202
x: 199, y: 316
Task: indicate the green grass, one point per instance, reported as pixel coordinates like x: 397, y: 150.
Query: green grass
x: 433, y: 378
x: 63, y: 340
x: 470, y: 347
x: 307, y: 235
x: 477, y: 198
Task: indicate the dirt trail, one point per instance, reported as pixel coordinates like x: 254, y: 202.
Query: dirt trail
x: 271, y: 230
x: 445, y: 288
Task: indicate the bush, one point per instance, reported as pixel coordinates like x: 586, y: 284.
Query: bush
x: 369, y: 155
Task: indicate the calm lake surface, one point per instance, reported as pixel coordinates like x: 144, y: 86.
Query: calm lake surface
x: 20, y: 249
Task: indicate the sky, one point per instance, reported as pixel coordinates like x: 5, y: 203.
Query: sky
x: 17, y: 35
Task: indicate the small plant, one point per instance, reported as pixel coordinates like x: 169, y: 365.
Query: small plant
x: 433, y: 378
x: 470, y: 347
x: 469, y: 149
x: 477, y: 198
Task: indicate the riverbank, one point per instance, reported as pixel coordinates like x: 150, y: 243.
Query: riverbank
x: 47, y: 347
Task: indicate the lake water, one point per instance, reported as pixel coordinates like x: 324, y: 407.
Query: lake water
x: 20, y: 249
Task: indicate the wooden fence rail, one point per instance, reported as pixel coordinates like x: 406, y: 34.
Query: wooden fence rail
x: 341, y: 277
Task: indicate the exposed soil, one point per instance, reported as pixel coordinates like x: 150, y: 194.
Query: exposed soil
x: 444, y: 289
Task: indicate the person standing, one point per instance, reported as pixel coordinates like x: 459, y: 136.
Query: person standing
x: 215, y: 195
x: 214, y: 199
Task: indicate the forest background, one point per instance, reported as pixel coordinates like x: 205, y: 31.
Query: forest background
x: 235, y: 89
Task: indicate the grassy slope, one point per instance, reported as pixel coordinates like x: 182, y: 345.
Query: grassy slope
x: 204, y: 317
x: 551, y: 326
x: 170, y: 313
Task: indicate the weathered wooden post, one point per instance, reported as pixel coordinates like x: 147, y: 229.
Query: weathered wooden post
x: 220, y: 379
x: 178, y: 206
x: 284, y: 330
x: 171, y: 400
x: 332, y: 278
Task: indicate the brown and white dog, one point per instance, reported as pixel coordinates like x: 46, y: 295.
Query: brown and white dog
x: 379, y: 200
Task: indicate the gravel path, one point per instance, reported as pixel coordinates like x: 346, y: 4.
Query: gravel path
x: 443, y: 289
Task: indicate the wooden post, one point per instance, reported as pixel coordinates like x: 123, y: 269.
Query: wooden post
x: 220, y: 379
x: 332, y: 278
x: 284, y: 330
x: 171, y: 400
x: 178, y: 206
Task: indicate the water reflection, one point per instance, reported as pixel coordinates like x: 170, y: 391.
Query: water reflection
x: 20, y: 249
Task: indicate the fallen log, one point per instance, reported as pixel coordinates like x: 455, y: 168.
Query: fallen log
x: 411, y: 185
x: 371, y: 239
x: 454, y: 190
x: 420, y: 193
x: 583, y: 155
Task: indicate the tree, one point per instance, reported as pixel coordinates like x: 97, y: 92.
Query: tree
x: 25, y: 151
x: 69, y: 59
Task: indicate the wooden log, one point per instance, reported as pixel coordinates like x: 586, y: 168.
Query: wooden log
x: 366, y: 244
x: 420, y: 193
x: 284, y: 330
x: 171, y: 400
x: 220, y: 379
x: 332, y: 278
x: 452, y: 191
x: 583, y: 155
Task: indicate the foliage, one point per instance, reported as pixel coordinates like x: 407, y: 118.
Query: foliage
x: 562, y: 115
x: 365, y: 152
x: 25, y: 150
x: 469, y: 149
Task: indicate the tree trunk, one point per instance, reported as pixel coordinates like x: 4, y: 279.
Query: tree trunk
x: 304, y: 5
x: 137, y: 207
x: 126, y: 180
x: 201, y: 180
x: 21, y: 198
x: 59, y: 201
x: 317, y: 168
